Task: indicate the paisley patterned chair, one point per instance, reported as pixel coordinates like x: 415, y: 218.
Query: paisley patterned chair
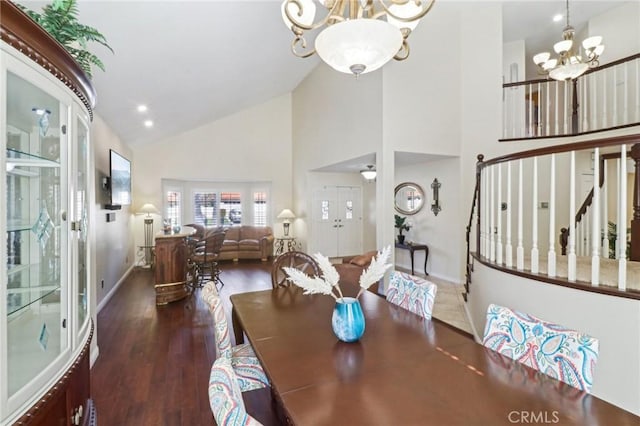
x: 412, y: 293
x: 564, y: 354
x: 225, y: 398
x: 243, y: 359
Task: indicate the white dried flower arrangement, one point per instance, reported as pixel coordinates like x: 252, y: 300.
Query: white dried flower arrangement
x: 328, y: 283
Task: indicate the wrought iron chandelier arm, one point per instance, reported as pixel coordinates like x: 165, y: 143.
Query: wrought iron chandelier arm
x: 420, y: 14
x: 331, y: 14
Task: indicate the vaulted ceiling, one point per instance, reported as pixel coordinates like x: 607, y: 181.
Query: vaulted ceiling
x: 193, y: 62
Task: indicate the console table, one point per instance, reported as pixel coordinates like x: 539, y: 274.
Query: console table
x: 280, y: 243
x: 412, y: 247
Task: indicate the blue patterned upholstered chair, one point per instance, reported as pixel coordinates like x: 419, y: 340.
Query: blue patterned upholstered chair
x: 225, y: 397
x: 412, y: 293
x: 243, y: 359
x: 564, y: 354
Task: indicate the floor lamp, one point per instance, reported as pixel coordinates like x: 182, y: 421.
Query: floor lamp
x: 148, y: 232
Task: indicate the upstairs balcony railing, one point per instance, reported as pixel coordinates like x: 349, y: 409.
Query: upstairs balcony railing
x: 604, y: 98
x: 589, y: 190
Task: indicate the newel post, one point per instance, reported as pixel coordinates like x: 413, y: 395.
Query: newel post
x: 635, y: 221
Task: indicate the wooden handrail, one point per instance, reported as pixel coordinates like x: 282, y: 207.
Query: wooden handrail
x: 476, y: 199
x: 589, y: 71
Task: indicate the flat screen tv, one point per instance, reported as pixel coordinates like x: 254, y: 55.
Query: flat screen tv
x: 120, y: 179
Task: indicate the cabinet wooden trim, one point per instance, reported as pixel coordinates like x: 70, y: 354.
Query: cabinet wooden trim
x: 57, y: 390
x: 23, y: 34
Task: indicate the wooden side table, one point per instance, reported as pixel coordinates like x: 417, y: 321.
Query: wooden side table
x: 412, y: 247
x: 281, y: 242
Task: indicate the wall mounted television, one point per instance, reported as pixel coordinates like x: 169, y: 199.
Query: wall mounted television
x: 119, y: 180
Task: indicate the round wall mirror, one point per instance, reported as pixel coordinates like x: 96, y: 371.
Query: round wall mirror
x: 409, y: 198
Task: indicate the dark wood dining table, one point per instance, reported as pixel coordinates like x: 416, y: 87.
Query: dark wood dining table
x: 405, y: 370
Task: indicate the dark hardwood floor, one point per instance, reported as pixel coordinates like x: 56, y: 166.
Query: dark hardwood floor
x: 154, y: 361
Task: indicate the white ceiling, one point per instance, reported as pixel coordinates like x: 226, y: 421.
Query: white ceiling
x: 193, y: 62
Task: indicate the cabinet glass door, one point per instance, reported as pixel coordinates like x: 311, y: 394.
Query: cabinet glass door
x: 35, y: 233
x: 81, y: 221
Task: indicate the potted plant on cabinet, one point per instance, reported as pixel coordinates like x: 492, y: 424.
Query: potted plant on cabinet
x: 401, y: 225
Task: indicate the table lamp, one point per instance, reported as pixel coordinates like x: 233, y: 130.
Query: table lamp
x: 148, y: 208
x: 286, y: 214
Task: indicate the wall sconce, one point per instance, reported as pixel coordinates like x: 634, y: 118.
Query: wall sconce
x: 435, y: 207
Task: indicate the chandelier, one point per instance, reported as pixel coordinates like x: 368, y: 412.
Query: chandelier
x: 570, y: 64
x: 369, y: 173
x: 359, y: 36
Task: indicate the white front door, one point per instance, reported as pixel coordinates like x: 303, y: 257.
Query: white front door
x: 337, y: 221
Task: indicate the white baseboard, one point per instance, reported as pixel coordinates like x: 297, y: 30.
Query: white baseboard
x: 109, y: 295
x: 476, y: 336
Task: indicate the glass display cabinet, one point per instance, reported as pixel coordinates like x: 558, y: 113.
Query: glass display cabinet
x: 45, y: 323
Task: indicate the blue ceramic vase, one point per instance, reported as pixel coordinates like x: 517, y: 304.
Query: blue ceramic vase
x: 348, y: 320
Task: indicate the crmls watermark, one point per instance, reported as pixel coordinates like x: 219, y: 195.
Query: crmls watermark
x: 534, y: 417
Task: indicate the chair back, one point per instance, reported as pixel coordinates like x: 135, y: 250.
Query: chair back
x: 225, y: 397
x: 220, y: 326
x: 412, y: 293
x: 208, y: 249
x: 564, y: 354
x: 292, y: 259
x: 199, y: 234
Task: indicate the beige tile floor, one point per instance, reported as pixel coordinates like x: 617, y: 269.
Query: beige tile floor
x: 449, y: 304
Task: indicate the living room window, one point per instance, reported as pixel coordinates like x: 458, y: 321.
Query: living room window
x: 217, y: 203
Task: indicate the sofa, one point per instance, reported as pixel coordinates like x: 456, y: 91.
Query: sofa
x: 247, y: 242
x: 350, y: 270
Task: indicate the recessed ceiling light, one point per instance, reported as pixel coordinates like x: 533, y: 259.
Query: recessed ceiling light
x: 148, y: 123
x: 142, y: 108
x: 558, y: 17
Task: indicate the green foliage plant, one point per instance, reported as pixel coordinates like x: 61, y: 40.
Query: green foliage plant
x: 400, y: 224
x: 60, y: 20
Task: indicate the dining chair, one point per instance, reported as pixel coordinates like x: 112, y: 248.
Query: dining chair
x: 205, y: 256
x: 292, y: 259
x: 412, y: 293
x: 243, y: 359
x: 225, y: 397
x: 562, y: 353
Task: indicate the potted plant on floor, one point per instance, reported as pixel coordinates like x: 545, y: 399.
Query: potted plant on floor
x: 401, y: 225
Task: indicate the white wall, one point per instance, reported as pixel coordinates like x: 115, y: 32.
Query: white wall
x: 114, y: 246
x: 620, y: 31
x: 442, y: 232
x: 614, y: 321
x: 335, y: 117
x: 253, y: 145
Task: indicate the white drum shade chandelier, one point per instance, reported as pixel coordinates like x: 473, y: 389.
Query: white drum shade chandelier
x: 359, y: 36
x: 570, y: 64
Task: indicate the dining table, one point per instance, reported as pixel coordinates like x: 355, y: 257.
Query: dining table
x: 404, y: 370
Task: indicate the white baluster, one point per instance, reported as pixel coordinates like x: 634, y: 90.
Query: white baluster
x: 622, y: 224
x: 556, y: 112
x: 492, y: 217
x: 539, y: 110
x: 605, y: 212
x: 604, y: 98
x: 586, y: 220
x: 637, y: 90
x: 615, y: 119
x: 593, y: 105
x: 508, y: 248
x: 487, y: 211
x: 566, y: 107
x: 483, y: 217
x: 583, y: 106
x: 548, y: 103
x: 530, y: 104
x: 534, y: 226
x: 551, y: 256
x: 520, y: 247
x: 505, y: 112
x: 571, y: 258
x: 595, y: 224
x: 499, y: 218
x: 618, y: 218
x: 625, y: 116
